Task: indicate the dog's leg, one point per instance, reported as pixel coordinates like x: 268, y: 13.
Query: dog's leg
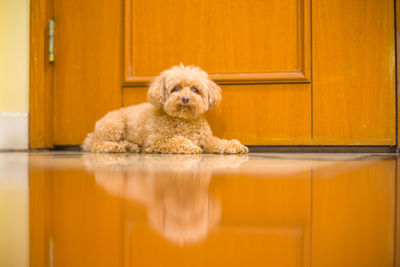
x: 109, y: 135
x: 214, y: 144
x: 116, y: 147
x: 175, y: 144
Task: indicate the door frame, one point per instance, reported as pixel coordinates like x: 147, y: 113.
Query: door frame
x: 397, y: 58
x: 40, y: 76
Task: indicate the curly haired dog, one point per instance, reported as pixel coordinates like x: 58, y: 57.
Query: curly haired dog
x: 172, y: 122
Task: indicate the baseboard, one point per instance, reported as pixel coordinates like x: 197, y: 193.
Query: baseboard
x: 14, y: 131
x: 292, y: 149
x: 323, y: 149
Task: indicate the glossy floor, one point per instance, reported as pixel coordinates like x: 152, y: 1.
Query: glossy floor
x: 74, y: 209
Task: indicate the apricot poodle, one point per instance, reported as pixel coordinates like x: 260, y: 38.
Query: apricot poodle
x: 172, y: 122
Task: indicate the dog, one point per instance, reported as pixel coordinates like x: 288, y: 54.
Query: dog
x: 172, y: 122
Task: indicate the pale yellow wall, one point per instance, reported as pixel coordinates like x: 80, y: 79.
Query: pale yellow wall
x: 14, y: 56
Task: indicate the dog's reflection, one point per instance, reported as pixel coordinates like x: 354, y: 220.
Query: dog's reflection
x: 174, y: 189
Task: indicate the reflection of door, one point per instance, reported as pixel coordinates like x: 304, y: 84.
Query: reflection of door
x: 280, y: 87
x: 287, y: 213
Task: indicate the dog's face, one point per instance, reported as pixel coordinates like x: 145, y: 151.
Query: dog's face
x: 184, y: 92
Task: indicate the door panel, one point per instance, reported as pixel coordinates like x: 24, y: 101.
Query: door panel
x: 87, y: 73
x: 354, y: 72
x: 232, y: 40
x: 256, y: 114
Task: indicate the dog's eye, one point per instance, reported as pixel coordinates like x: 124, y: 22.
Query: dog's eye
x: 195, y: 90
x: 175, y: 89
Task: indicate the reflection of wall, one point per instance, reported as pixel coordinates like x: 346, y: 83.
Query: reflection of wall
x: 14, y: 73
x: 14, y: 213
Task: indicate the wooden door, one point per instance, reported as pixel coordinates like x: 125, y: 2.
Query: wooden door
x: 280, y: 86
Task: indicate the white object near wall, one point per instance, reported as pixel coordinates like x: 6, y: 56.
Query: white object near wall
x: 14, y: 131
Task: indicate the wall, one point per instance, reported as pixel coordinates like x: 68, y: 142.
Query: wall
x: 14, y: 73
x: 14, y: 97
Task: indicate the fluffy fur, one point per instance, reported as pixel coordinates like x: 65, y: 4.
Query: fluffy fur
x: 172, y: 122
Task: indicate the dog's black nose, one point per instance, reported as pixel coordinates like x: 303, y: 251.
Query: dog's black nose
x: 185, y: 99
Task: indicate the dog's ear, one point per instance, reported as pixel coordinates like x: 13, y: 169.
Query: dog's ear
x: 156, y: 94
x: 214, y: 94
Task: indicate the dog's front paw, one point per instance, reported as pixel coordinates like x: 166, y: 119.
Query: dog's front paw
x: 131, y: 147
x: 235, y: 147
x: 190, y: 149
x: 174, y: 145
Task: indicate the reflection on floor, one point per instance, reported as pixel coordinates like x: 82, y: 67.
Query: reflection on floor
x: 207, y: 210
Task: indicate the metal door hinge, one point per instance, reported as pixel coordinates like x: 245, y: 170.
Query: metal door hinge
x: 51, y: 40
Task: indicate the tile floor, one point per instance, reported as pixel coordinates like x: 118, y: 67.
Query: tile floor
x: 75, y: 209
